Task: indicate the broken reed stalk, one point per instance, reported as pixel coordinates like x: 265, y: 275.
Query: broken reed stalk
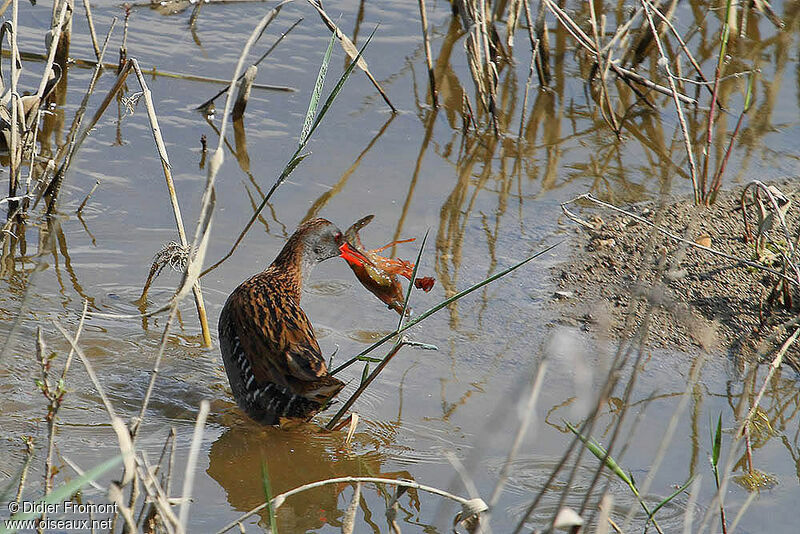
x: 176, y: 210
x: 255, y: 63
x: 426, y: 42
x: 88, y: 8
x: 87, y: 197
x: 244, y: 93
x: 664, y: 62
x: 278, y: 500
x: 439, y: 306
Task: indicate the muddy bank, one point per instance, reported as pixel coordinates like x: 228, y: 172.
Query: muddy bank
x: 623, y: 273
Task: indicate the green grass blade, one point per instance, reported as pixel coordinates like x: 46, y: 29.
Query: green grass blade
x: 314, y: 102
x: 273, y: 522
x: 441, y: 305
x: 411, y: 282
x: 602, y: 455
x: 338, y: 87
x: 365, y: 373
x: 674, y: 494
x: 717, y: 443
x: 66, y: 491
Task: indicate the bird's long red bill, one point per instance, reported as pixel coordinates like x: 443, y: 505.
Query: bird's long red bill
x: 353, y: 256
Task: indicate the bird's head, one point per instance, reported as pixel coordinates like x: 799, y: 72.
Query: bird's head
x: 323, y: 240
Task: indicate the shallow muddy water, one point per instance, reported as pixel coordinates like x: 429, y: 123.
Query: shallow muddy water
x: 488, y: 203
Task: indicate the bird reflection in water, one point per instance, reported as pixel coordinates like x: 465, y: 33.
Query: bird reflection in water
x: 305, y: 453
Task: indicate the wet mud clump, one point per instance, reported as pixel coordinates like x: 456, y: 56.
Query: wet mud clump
x: 623, y: 273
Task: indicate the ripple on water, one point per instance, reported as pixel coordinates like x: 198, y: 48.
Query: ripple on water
x: 328, y: 287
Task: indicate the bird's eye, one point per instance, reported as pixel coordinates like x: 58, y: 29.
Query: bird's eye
x: 337, y: 236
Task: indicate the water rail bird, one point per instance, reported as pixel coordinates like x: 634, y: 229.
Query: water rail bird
x: 272, y: 358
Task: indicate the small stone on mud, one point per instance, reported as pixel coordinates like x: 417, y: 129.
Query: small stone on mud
x: 562, y: 295
x: 704, y: 241
x: 676, y: 274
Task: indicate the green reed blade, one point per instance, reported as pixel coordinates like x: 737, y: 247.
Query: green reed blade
x: 338, y: 87
x: 413, y: 277
x: 312, y: 104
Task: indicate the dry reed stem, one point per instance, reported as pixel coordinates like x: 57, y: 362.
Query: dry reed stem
x: 191, y: 463
x: 664, y: 62
x: 67, y: 151
x: 278, y: 500
x: 351, y: 50
x: 585, y: 41
x: 423, y: 15
x: 244, y: 93
x: 683, y: 46
x: 87, y: 6
x: 167, y: 169
x: 87, y: 197
x: 158, y: 497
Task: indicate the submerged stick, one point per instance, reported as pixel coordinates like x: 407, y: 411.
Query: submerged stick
x: 153, y: 71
